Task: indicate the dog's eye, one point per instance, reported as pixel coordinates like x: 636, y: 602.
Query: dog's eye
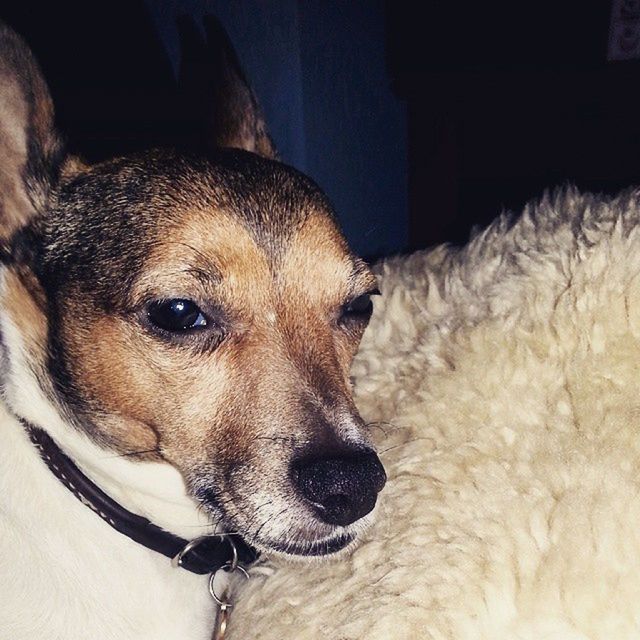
x: 359, y: 308
x: 176, y: 315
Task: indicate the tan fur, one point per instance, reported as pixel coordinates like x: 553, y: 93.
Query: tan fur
x: 193, y: 407
x: 22, y: 302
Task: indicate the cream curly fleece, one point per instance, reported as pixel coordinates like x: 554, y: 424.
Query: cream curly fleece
x: 505, y: 381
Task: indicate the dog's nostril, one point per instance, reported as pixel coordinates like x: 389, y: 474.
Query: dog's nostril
x: 342, y: 489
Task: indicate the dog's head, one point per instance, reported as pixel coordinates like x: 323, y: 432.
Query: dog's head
x: 201, y: 311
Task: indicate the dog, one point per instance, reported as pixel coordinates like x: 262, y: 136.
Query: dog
x: 176, y: 336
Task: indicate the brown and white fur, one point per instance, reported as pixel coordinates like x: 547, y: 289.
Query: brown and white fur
x: 210, y: 428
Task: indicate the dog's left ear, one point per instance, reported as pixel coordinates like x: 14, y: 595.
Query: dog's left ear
x: 30, y: 150
x: 214, y: 83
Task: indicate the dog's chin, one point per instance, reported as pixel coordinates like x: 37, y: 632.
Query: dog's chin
x: 333, y: 546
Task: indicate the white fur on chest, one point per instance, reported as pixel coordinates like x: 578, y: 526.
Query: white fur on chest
x: 66, y: 574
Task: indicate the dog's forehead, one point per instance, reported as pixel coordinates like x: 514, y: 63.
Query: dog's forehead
x: 158, y: 188
x: 230, y: 208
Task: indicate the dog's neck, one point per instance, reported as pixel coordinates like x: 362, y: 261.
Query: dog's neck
x: 63, y: 556
x: 154, y: 490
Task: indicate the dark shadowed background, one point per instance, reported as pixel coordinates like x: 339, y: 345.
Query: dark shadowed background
x: 419, y: 121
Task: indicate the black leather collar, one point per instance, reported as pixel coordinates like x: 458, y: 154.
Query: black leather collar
x: 204, y: 555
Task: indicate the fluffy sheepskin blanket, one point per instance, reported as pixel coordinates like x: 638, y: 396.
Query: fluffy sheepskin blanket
x: 504, y: 378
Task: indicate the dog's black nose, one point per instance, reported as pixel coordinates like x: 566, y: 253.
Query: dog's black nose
x: 341, y: 489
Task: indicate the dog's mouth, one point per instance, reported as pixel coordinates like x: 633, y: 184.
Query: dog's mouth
x: 314, y: 540
x: 315, y: 548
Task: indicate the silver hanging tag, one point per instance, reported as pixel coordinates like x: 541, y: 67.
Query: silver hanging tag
x: 222, y: 619
x: 223, y: 601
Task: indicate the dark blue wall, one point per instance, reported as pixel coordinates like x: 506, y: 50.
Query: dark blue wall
x: 318, y: 68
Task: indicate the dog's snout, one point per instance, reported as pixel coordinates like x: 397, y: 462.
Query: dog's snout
x: 341, y: 489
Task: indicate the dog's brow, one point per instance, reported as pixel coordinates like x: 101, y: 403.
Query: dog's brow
x: 207, y: 272
x: 204, y: 276
x: 361, y: 276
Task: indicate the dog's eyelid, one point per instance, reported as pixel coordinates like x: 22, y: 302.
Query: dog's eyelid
x: 209, y: 306
x: 188, y: 282
x: 375, y: 291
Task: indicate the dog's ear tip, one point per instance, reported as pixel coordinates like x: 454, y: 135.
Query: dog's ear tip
x: 8, y: 34
x: 187, y: 29
x: 30, y: 150
x: 236, y: 118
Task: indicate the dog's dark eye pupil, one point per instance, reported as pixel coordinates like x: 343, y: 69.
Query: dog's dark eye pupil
x: 176, y: 315
x: 359, y: 307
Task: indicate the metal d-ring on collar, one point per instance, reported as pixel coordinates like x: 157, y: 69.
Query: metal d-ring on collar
x: 229, y: 567
x: 177, y: 560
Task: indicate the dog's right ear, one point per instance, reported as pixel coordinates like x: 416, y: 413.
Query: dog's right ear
x: 30, y: 150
